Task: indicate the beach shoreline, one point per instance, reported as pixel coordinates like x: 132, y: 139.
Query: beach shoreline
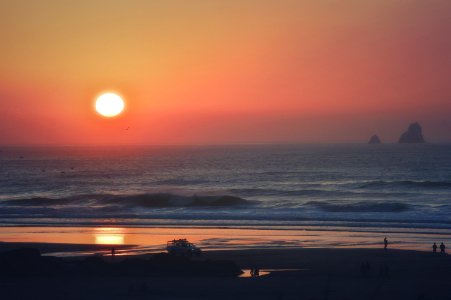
x: 79, y: 241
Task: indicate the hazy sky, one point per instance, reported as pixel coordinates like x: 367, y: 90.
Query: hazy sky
x: 233, y: 71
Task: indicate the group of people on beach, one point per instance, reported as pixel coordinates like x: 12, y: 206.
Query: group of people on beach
x: 384, y: 270
x: 434, y: 246
x: 442, y: 248
x: 255, y: 272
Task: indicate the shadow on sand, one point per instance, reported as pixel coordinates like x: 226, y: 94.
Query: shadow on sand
x: 28, y: 262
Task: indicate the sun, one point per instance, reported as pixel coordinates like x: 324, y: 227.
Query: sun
x: 109, y: 104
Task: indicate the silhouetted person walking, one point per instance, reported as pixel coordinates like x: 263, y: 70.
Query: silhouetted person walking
x: 434, y: 248
x: 442, y: 248
x: 385, y: 243
x: 113, y: 252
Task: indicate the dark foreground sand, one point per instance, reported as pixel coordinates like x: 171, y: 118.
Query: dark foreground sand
x: 323, y: 274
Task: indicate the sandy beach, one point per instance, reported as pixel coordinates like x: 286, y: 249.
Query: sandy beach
x: 294, y: 274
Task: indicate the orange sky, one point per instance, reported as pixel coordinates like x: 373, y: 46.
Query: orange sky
x: 212, y: 72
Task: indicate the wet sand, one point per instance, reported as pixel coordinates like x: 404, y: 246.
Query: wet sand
x: 313, y: 274
x: 153, y: 239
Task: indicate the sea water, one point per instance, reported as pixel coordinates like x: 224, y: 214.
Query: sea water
x: 381, y: 188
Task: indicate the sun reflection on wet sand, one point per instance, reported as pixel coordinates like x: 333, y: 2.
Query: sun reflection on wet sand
x: 109, y: 236
x: 132, y: 240
x: 247, y: 273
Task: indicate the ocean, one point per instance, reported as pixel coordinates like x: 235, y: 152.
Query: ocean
x: 387, y: 188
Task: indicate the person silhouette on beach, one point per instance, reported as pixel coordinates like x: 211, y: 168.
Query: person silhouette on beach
x: 255, y: 271
x: 434, y: 248
x: 113, y: 252
x: 385, y: 243
x: 442, y: 248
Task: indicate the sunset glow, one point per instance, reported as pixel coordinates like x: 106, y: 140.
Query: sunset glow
x: 166, y: 148
x: 281, y: 71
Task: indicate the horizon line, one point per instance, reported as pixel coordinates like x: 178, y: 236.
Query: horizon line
x: 215, y: 144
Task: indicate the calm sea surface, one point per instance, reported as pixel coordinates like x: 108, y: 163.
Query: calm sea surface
x: 372, y: 188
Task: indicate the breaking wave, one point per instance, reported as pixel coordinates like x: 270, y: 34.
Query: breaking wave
x: 360, y: 206
x: 159, y: 200
x: 406, y: 184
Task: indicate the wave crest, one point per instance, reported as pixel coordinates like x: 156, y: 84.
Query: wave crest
x: 360, y: 206
x: 159, y: 200
x: 406, y: 183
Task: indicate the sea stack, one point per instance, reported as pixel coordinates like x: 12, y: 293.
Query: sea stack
x: 413, y: 135
x: 374, y: 140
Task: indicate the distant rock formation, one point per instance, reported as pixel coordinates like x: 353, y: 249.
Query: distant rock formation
x: 413, y: 135
x: 374, y: 140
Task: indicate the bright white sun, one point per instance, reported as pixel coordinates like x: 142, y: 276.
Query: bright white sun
x: 109, y: 104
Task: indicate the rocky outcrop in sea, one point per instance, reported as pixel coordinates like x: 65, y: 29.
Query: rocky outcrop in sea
x: 374, y: 140
x: 413, y: 135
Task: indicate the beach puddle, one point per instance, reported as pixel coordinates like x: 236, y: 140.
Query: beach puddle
x: 264, y: 272
x: 247, y: 273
